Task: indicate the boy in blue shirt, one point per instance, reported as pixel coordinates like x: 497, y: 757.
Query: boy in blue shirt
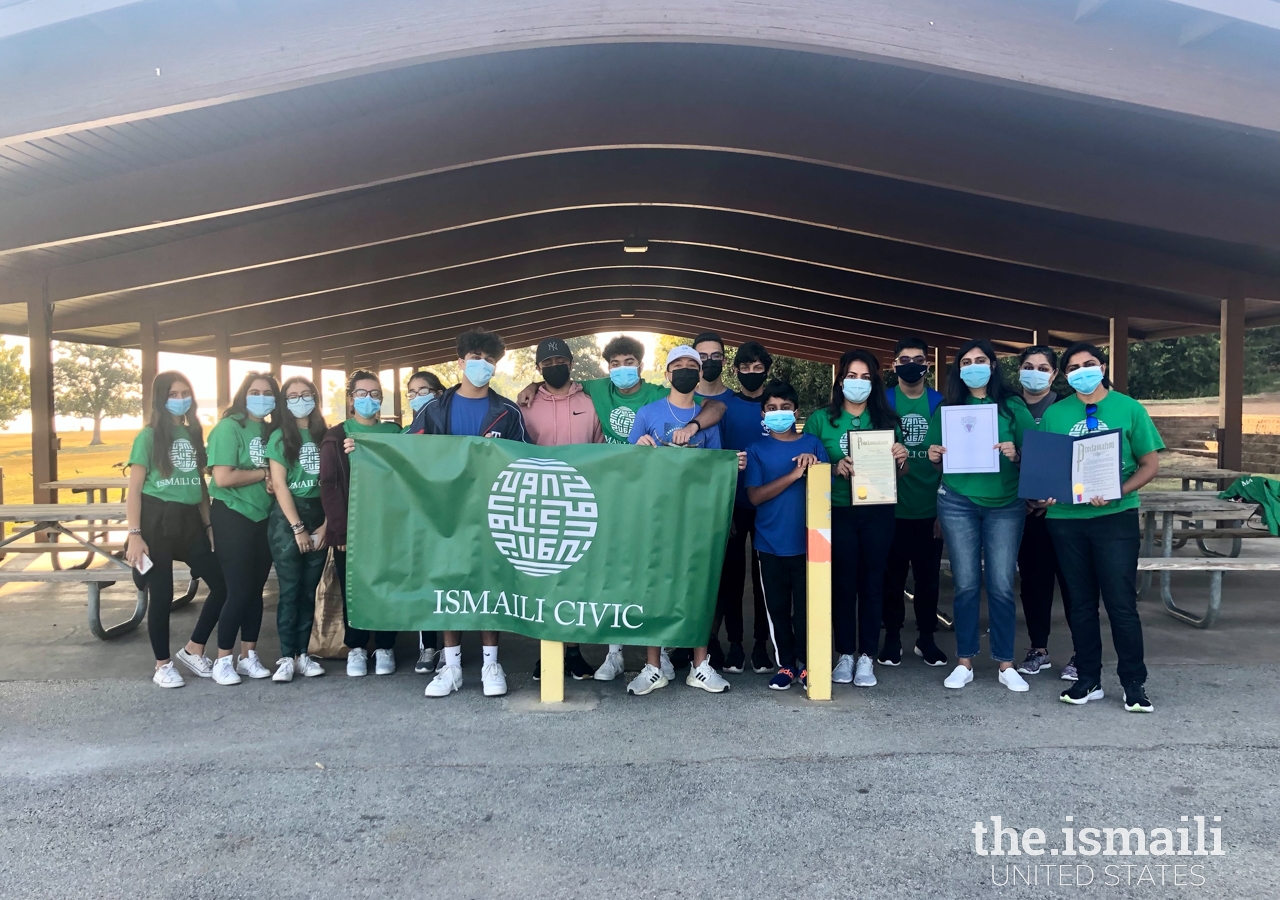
x: 775, y: 468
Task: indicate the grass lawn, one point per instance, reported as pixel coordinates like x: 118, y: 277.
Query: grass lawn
x: 75, y: 459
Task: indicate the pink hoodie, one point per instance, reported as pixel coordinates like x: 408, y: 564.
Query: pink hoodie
x: 554, y: 421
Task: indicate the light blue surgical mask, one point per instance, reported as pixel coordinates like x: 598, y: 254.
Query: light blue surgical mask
x: 1034, y: 380
x: 178, y: 407
x: 976, y: 376
x: 1085, y: 381
x: 780, y: 420
x: 416, y: 403
x: 856, y: 390
x: 366, y: 407
x: 624, y: 377
x: 260, y: 405
x: 478, y: 371
x: 301, y: 407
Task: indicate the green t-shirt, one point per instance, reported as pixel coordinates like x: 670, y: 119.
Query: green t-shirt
x: 184, y: 484
x: 237, y: 442
x: 989, y: 488
x: 351, y: 426
x: 918, y: 488
x: 617, y: 410
x: 304, y: 475
x: 1138, y: 438
x: 835, y: 439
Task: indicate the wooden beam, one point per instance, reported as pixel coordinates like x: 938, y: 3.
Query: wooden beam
x: 44, y: 432
x: 149, y: 342
x: 277, y: 358
x: 397, y: 393
x: 1231, y: 383
x: 222, y: 356
x: 1118, y: 370
x: 349, y: 363
x: 317, y: 371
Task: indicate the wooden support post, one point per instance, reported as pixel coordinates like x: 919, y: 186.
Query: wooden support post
x: 551, y: 680
x: 818, y: 579
x: 149, y: 341
x: 397, y: 403
x: 1118, y: 365
x: 317, y: 373
x: 44, y: 432
x: 222, y: 354
x: 277, y: 359
x: 1231, y: 383
x: 349, y: 364
x: 939, y: 367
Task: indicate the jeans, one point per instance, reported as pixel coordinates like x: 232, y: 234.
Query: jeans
x: 733, y: 579
x: 358, y: 638
x: 298, y: 573
x: 1100, y: 555
x: 860, y: 539
x: 245, y: 556
x: 1038, y: 568
x: 982, y: 537
x: 915, y: 548
x: 783, y: 582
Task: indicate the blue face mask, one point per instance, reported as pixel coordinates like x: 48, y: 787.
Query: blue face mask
x: 624, y: 377
x: 1034, y: 380
x: 976, y: 376
x: 260, y: 405
x: 856, y: 390
x: 367, y: 407
x: 301, y: 407
x: 178, y: 407
x: 478, y: 371
x: 1085, y: 381
x: 416, y: 403
x: 780, y: 420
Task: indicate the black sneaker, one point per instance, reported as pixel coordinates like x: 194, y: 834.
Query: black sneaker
x: 760, y: 660
x: 736, y: 661
x: 576, y: 666
x: 891, y: 655
x: 681, y: 659
x: 716, y: 653
x: 1135, y: 699
x: 1081, y: 693
x: 927, y: 650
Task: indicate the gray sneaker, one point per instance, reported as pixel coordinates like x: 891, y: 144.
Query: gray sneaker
x: 1035, y: 661
x: 1069, y: 672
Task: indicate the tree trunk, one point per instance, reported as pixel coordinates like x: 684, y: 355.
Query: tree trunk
x: 97, y: 429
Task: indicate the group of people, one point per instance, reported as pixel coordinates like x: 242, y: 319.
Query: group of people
x: 279, y: 479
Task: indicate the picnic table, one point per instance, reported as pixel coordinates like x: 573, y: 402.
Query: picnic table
x: 94, y: 489
x: 1200, y: 475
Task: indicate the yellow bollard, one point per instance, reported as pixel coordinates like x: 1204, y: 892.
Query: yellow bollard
x: 552, y: 683
x: 818, y: 578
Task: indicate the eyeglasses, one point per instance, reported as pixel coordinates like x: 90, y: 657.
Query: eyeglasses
x: 717, y: 357
x: 306, y: 396
x: 907, y: 360
x: 362, y: 393
x: 1091, y: 417
x: 420, y: 392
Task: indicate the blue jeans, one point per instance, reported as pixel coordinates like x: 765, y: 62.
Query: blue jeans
x: 976, y: 534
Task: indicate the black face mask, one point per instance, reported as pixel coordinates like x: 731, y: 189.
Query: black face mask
x: 910, y: 373
x: 556, y: 376
x: 751, y: 381
x: 684, y: 380
x: 711, y: 369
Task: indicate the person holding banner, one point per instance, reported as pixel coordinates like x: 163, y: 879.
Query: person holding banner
x: 1098, y: 542
x: 422, y: 388
x: 860, y: 534
x: 981, y: 515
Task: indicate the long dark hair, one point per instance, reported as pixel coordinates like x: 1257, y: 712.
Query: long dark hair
x: 162, y: 424
x: 291, y: 435
x: 241, y: 412
x: 998, y: 390
x: 883, y: 416
x: 1095, y: 352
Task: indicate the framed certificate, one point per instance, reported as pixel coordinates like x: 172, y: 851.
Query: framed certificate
x: 970, y: 433
x: 875, y: 473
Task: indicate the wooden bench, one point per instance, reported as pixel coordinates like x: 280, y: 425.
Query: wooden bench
x: 1166, y: 566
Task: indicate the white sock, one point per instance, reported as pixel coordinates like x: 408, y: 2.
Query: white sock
x: 490, y: 655
x: 615, y: 648
x: 453, y: 656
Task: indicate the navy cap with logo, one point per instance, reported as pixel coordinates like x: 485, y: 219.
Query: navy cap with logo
x: 552, y: 347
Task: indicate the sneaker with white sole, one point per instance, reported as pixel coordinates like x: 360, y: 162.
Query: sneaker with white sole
x: 843, y: 672
x: 1035, y: 661
x: 1135, y: 699
x: 494, y: 680
x: 252, y: 666
x: 865, y: 676
x: 447, y: 680
x: 1070, y: 672
x: 358, y: 662
x: 426, y: 663
x: 705, y: 677
x: 167, y: 676
x: 648, y: 681
x: 611, y: 668
x: 199, y: 665
x: 1080, y: 693
x: 384, y: 662
x: 959, y: 677
x: 308, y: 667
x: 224, y: 671
x: 668, y: 670
x: 1013, y: 681
x: 284, y: 670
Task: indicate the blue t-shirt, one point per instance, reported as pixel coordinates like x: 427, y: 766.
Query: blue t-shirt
x: 466, y: 415
x: 741, y: 427
x: 780, y: 527
x: 660, y: 418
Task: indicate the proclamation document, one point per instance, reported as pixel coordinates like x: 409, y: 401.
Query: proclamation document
x: 875, y: 473
x: 1095, y: 467
x: 970, y: 434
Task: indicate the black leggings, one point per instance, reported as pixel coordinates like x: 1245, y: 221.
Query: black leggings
x: 1038, y: 566
x: 860, y: 541
x: 245, y: 556
x: 174, y: 531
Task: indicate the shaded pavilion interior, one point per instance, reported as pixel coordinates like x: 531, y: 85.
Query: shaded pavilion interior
x: 342, y: 184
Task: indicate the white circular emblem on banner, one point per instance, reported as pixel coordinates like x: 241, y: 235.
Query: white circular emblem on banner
x: 621, y: 420
x: 309, y: 459
x: 256, y: 455
x: 914, y: 428
x: 542, y: 515
x: 182, y: 455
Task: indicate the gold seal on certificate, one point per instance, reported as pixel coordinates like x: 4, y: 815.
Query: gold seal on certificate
x: 875, y: 472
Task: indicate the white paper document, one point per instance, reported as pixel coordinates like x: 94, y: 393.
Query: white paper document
x: 970, y: 434
x: 1095, y: 467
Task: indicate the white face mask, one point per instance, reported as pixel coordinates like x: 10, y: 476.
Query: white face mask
x: 856, y: 390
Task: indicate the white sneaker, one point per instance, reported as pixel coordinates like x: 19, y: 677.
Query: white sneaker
x: 358, y: 662
x: 648, y: 681
x: 664, y: 663
x: 308, y: 667
x: 168, y: 677
x: 494, y: 680
x: 959, y: 677
x: 252, y: 666
x: 707, y: 678
x: 199, y: 665
x: 843, y: 672
x: 447, y: 680
x: 426, y: 663
x: 612, y: 667
x: 865, y: 676
x: 1013, y: 681
x: 284, y: 669
x: 224, y: 670
x: 384, y: 662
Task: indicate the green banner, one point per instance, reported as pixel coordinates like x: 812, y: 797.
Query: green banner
x: 597, y: 544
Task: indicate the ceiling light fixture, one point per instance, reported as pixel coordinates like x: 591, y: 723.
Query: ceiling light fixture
x: 634, y: 244
x: 627, y: 311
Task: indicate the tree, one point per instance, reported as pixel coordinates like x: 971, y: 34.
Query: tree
x: 95, y: 382
x: 586, y: 360
x: 15, y: 387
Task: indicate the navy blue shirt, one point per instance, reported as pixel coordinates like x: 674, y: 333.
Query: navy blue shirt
x: 741, y: 427
x: 466, y: 415
x: 780, y: 527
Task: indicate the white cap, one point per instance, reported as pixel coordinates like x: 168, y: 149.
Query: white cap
x: 684, y: 351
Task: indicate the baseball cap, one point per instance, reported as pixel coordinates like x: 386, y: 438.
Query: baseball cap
x: 684, y: 351
x: 552, y: 347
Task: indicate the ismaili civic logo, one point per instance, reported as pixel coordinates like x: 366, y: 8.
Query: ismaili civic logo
x: 256, y: 454
x: 182, y: 455
x: 309, y: 458
x: 542, y: 515
x: 621, y: 419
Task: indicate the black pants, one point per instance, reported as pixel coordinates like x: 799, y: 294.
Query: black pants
x: 860, y: 540
x: 914, y: 547
x: 245, y: 556
x: 1100, y: 555
x: 733, y: 579
x: 1038, y: 568
x: 783, y: 585
x: 175, y: 531
x: 358, y: 638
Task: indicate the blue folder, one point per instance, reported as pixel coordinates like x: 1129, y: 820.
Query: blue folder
x: 1046, y: 464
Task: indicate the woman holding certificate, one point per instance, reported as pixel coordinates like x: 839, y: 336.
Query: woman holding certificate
x: 861, y: 432
x: 975, y: 438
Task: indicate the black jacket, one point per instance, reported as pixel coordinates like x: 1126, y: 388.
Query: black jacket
x: 503, y: 419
